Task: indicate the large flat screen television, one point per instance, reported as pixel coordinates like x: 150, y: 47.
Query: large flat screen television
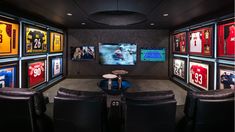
x: 8, y: 76
x: 9, y: 38
x: 36, y: 73
x: 153, y: 54
x: 117, y: 53
x: 35, y: 40
x: 83, y: 53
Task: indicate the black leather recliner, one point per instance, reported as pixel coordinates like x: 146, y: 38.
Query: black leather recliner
x: 149, y: 112
x: 79, y: 111
x: 208, y: 111
x: 22, y: 110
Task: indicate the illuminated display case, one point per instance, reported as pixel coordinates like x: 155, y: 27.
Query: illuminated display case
x: 179, y: 43
x: 34, y: 40
x: 226, y: 77
x: 9, y: 38
x: 226, y: 39
x: 56, y: 42
x: 180, y: 68
x: 201, y: 41
x: 8, y: 75
x: 56, y: 66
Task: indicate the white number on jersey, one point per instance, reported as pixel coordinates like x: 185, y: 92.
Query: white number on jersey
x: 198, y: 78
x: 37, y: 44
x: 37, y: 72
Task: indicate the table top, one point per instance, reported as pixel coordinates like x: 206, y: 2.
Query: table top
x: 109, y: 76
x: 119, y: 72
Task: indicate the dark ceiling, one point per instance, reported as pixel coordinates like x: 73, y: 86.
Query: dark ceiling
x: 181, y: 12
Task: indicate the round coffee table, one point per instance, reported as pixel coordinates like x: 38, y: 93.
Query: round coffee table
x: 119, y: 73
x: 109, y: 77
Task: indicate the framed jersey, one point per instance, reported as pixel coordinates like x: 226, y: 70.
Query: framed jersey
x: 56, y: 42
x: 179, y: 68
x: 199, y: 74
x: 35, y: 40
x: 226, y: 77
x: 179, y: 43
x: 56, y: 66
x: 36, y: 73
x: 226, y: 39
x: 9, y: 38
x: 8, y: 75
x: 201, y: 41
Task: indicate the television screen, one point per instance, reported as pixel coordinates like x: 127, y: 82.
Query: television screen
x: 9, y: 38
x: 117, y: 54
x: 35, y: 40
x: 83, y: 53
x: 56, y: 66
x: 179, y: 68
x: 200, y: 41
x: 56, y: 42
x: 199, y: 75
x: 227, y: 77
x: 179, y: 43
x: 7, y: 76
x: 153, y: 54
x: 226, y: 39
x: 36, y: 73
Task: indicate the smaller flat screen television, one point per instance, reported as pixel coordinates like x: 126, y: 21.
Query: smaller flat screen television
x: 56, y: 67
x: 83, y: 53
x: 153, y: 54
x: 199, y: 75
x: 36, y: 73
x: 7, y: 76
x: 226, y: 77
x: 117, y: 53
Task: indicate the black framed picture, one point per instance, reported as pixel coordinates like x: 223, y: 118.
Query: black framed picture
x: 226, y: 76
x: 9, y: 75
x: 83, y: 53
x: 55, y: 66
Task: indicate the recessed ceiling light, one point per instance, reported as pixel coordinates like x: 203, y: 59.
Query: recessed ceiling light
x: 165, y: 15
x: 83, y: 23
x: 69, y: 14
x: 152, y: 24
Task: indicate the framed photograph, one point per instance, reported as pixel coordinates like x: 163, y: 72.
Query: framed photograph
x: 36, y: 72
x: 226, y: 77
x: 199, y: 74
x: 56, y: 42
x: 83, y: 53
x: 34, y: 40
x: 201, y: 41
x: 8, y: 75
x: 179, y: 43
x: 56, y: 66
x: 180, y: 68
x: 9, y: 38
x: 226, y: 39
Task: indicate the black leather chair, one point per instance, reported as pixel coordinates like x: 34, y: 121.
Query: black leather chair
x: 81, y: 112
x: 209, y: 111
x: 149, y: 112
x: 21, y: 110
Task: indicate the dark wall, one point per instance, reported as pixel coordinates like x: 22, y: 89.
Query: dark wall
x: 143, y: 38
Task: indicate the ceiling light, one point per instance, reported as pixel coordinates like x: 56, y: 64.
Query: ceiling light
x: 69, y: 14
x: 83, y: 23
x: 165, y: 15
x: 152, y: 24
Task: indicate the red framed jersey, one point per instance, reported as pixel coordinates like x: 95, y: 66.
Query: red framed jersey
x: 226, y: 39
x: 8, y: 38
x: 179, y: 68
x: 199, y: 74
x: 200, y: 41
x: 36, y: 73
x: 179, y: 43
